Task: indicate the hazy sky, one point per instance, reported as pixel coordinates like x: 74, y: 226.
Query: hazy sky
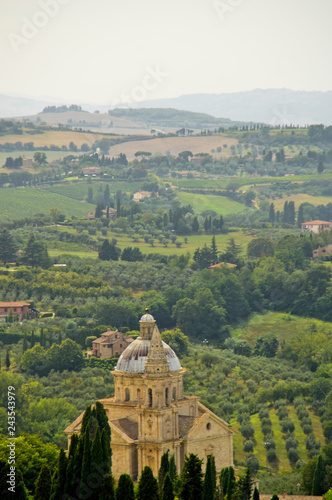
x: 101, y: 51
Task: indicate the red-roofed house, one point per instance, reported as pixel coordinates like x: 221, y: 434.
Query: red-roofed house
x: 316, y: 226
x: 109, y: 345
x: 227, y: 264
x: 19, y: 309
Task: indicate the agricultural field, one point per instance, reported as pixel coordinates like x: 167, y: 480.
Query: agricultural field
x: 300, y: 198
x: 201, y: 202
x: 51, y: 156
x: 17, y: 203
x: 278, y: 436
x: 279, y: 324
x: 174, y: 146
x: 56, y: 137
x: 78, y: 190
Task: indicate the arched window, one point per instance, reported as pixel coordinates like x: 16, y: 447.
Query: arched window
x: 166, y: 397
x: 174, y: 393
x: 127, y: 394
x: 150, y: 397
x: 138, y: 394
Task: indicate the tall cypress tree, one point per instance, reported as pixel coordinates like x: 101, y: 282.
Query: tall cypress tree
x: 96, y: 464
x: 214, y: 250
x: 191, y: 478
x: 173, y: 473
x: 319, y: 478
x: 107, y: 488
x: 7, y: 360
x: 168, y: 493
x: 59, y: 482
x: 300, y: 216
x: 72, y: 466
x: 231, y: 484
x: 164, y: 468
x: 272, y: 215
x: 125, y: 489
x: 255, y: 495
x: 245, y: 485
x: 86, y: 462
x: 147, y: 485
x: 25, y: 342
x: 291, y: 213
x: 209, y: 485
x: 224, y: 481
x: 285, y: 217
x: 43, y: 484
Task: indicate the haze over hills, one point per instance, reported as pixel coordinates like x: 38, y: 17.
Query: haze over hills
x: 271, y: 106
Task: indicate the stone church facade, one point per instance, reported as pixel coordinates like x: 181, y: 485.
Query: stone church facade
x: 149, y: 413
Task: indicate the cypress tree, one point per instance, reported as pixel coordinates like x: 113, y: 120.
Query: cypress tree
x: 7, y: 359
x: 191, y: 478
x: 25, y: 342
x: 60, y: 483
x: 319, y: 478
x: 272, y: 215
x: 173, y: 473
x: 168, y: 493
x: 72, y: 465
x: 285, y: 217
x: 125, y: 489
x: 147, y: 485
x: 245, y: 485
x: 106, y: 450
x: 86, y: 462
x: 214, y: 250
x: 231, y: 484
x: 209, y: 485
x: 43, y: 484
x: 20, y: 491
x: 96, y: 463
x: 86, y: 419
x: 300, y: 216
x: 164, y: 468
x: 195, y: 225
x: 102, y: 418
x: 255, y: 495
x: 32, y: 341
x: 224, y: 481
x: 107, y: 488
x: 291, y: 213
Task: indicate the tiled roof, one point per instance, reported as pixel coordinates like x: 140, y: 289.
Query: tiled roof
x: 317, y: 222
x: 185, y: 424
x: 127, y: 426
x: 14, y: 304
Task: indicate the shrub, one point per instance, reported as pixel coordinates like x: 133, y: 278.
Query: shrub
x: 263, y: 413
x: 248, y: 446
x: 252, y: 462
x: 266, y: 429
x: 271, y: 456
x: 282, y: 413
x: 247, y: 430
x: 287, y: 425
x: 291, y: 442
x: 293, y: 455
x: 307, y: 429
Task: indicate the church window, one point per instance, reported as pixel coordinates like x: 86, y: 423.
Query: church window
x: 166, y: 397
x: 127, y: 394
x: 174, y: 393
x: 208, y: 426
x: 138, y: 393
x: 150, y: 397
x: 148, y: 330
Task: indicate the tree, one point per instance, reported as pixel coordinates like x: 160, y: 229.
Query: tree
x: 8, y: 247
x: 164, y: 468
x: 318, y: 484
x: 40, y: 158
x: 210, y: 483
x: 255, y: 495
x: 147, y: 485
x: 260, y: 247
x: 7, y: 360
x: 108, y: 488
x: 195, y: 225
x: 59, y: 487
x: 130, y: 254
x: 99, y: 211
x: 245, y: 485
x: 168, y: 493
x: 106, y: 197
x: 320, y: 167
x: 172, y: 469
x: 231, y: 484
x: 43, y: 484
x: 272, y: 215
x: 108, y: 251
x: 191, y: 479
x: 86, y: 462
x: 125, y: 489
x: 214, y: 250
x: 35, y: 253
x: 56, y: 215
x: 300, y: 215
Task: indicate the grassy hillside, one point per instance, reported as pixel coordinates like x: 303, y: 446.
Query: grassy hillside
x: 26, y: 202
x: 174, y: 145
x: 202, y: 202
x: 300, y: 198
x: 79, y: 190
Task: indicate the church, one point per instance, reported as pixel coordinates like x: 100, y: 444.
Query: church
x: 149, y: 414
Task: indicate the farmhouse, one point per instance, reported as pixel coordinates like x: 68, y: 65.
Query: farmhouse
x: 26, y: 162
x: 109, y: 345
x: 149, y: 413
x: 18, y: 309
x: 321, y: 251
x: 316, y: 226
x: 140, y: 195
x: 91, y: 170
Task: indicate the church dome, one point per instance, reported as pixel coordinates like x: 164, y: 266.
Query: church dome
x: 134, y: 356
x: 147, y: 317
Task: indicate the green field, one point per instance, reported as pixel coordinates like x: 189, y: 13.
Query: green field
x: 201, y: 202
x: 300, y: 198
x: 51, y: 156
x: 280, y: 324
x: 278, y: 437
x: 78, y: 190
x: 17, y: 203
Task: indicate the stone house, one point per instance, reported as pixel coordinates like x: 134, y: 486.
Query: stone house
x: 109, y: 345
x: 321, y: 251
x: 316, y: 226
x: 150, y: 414
x: 19, y: 309
x: 111, y: 214
x: 140, y: 195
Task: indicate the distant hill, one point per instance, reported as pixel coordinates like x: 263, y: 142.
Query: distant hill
x: 272, y: 106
